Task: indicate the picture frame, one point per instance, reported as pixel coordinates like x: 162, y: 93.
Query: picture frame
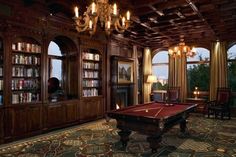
x: 125, y: 72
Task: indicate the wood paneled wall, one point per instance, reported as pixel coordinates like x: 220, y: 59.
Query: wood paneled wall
x: 19, y: 121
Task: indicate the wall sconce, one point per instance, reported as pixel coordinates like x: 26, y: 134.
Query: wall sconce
x: 196, y: 93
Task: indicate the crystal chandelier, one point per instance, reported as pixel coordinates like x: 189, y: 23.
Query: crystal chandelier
x: 182, y: 49
x: 106, y: 14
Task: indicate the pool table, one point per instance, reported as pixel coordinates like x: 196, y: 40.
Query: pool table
x: 152, y: 119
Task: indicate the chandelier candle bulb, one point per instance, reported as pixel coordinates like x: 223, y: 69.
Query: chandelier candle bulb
x: 93, y: 8
x: 108, y: 24
x: 76, y: 12
x: 90, y: 24
x: 115, y: 9
x: 123, y: 21
x: 128, y: 15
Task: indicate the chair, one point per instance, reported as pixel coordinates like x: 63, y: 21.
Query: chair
x: 220, y: 106
x: 173, y: 95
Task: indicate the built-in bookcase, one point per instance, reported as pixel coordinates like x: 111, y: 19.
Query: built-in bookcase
x: 26, y: 72
x: 92, y: 72
x: 1, y: 72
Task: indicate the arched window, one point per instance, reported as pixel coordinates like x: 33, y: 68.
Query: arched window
x: 160, y: 63
x: 55, y: 61
x: 198, y: 71
x: 231, y: 53
x: 62, y: 69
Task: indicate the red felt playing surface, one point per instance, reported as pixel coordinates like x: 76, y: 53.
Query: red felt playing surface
x: 154, y: 110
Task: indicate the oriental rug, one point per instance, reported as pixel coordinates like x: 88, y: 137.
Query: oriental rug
x: 206, y: 138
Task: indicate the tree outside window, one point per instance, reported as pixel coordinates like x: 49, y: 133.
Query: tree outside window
x: 198, y: 71
x: 231, y: 53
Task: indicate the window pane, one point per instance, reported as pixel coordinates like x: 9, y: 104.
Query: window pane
x: 198, y: 76
x: 160, y: 70
x: 161, y: 57
x: 232, y: 68
x: 54, y: 49
x: 202, y: 55
x: 56, y: 69
x: 232, y: 52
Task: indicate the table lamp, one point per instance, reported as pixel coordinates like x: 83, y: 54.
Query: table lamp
x: 151, y: 79
x: 196, y: 92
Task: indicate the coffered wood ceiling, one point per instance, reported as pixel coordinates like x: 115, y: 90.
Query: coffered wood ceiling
x: 162, y: 23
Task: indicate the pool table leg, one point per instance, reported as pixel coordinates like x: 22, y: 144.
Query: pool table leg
x: 183, y: 125
x: 154, y: 142
x: 124, y: 136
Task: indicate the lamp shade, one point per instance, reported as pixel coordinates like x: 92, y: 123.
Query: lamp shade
x: 151, y: 79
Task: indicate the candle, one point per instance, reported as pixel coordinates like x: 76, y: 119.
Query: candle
x: 123, y: 21
x: 115, y: 9
x: 93, y: 8
x: 108, y: 24
x: 185, y: 49
x: 128, y: 15
x: 76, y: 12
x: 90, y: 24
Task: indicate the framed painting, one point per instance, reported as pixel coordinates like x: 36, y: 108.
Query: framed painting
x: 125, y: 72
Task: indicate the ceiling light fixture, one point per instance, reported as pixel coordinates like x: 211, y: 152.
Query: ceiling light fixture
x: 108, y: 16
x: 182, y: 49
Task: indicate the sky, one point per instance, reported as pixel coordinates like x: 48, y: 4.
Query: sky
x: 162, y: 57
x: 53, y: 49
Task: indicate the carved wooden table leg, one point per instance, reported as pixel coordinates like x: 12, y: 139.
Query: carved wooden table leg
x: 154, y: 142
x: 124, y: 136
x: 183, y: 125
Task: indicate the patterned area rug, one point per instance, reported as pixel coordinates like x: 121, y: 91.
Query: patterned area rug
x: 207, y: 138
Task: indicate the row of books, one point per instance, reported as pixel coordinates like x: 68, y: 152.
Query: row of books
x: 90, y: 74
x: 1, y: 45
x: 22, y: 84
x: 90, y: 92
x: 1, y: 85
x: 25, y: 72
x: 26, y: 47
x: 88, y: 65
x: 1, y: 71
x: 27, y: 97
x: 27, y: 60
x: 1, y: 99
x: 90, y: 83
x: 91, y: 56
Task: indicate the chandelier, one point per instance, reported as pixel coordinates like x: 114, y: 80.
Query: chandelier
x: 182, y: 49
x: 106, y: 14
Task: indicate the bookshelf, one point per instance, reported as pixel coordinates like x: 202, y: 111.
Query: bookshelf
x: 92, y: 71
x: 26, y: 71
x: 1, y: 72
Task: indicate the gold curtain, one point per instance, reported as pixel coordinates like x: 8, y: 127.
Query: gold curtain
x: 178, y: 75
x: 147, y: 69
x: 218, y: 74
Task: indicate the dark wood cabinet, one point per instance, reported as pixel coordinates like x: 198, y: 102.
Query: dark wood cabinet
x: 34, y: 118
x: 60, y: 114
x: 22, y: 120
x: 71, y: 112
x: 54, y: 115
x: 91, y: 108
x: 1, y: 125
x: 16, y: 121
